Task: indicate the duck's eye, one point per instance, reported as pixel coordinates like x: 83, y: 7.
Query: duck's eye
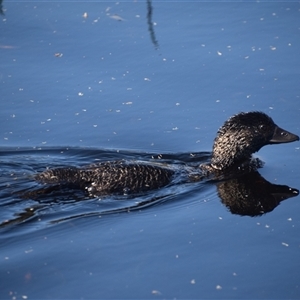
x: 261, y: 127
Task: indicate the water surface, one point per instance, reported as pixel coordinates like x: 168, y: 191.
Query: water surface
x: 86, y: 81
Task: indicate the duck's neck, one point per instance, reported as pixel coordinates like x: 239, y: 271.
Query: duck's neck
x: 229, y: 151
x: 246, y: 166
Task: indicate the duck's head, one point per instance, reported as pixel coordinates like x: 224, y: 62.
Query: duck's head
x: 244, y: 134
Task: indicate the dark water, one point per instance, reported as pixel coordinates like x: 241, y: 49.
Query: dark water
x: 137, y: 83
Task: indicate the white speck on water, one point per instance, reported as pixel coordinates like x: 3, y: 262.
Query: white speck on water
x: 116, y: 17
x: 218, y: 287
x: 156, y: 292
x: 193, y: 281
x: 285, y: 244
x: 272, y: 48
x: 219, y: 53
x: 80, y: 94
x: 289, y: 219
x: 147, y: 79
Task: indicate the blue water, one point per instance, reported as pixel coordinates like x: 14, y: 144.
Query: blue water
x: 86, y: 81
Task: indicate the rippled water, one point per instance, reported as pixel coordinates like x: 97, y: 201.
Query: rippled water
x: 22, y: 203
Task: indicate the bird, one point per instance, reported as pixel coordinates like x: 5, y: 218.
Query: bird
x: 237, y: 139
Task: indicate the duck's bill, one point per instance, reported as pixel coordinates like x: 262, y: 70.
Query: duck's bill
x: 282, y: 136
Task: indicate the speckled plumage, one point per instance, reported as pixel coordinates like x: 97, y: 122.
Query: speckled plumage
x: 115, y: 177
x: 239, y: 137
x: 244, y: 134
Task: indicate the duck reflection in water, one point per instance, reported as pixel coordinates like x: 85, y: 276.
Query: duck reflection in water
x: 241, y: 188
x: 252, y: 195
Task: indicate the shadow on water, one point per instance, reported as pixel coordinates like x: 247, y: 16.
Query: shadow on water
x: 23, y: 200
x: 1, y: 8
x: 150, y: 24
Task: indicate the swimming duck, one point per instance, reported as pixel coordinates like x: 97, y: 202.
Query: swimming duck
x: 240, y: 136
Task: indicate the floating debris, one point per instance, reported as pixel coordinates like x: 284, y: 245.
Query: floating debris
x: 117, y: 17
